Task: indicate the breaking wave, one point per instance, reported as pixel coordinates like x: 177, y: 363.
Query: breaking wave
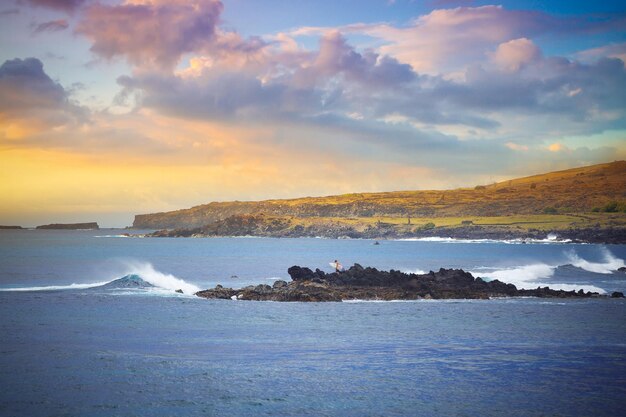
x: 540, y: 274
x: 551, y: 238
x: 610, y: 264
x: 144, y: 270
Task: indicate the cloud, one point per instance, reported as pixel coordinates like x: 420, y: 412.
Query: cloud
x: 448, y: 39
x: 336, y: 57
x: 617, y: 50
x: 512, y: 55
x: 31, y: 100
x: 450, y: 3
x: 557, y: 147
x: 52, y: 26
x: 9, y: 12
x: 275, y: 83
x: 507, y: 96
x: 516, y: 147
x: 151, y: 33
x: 63, y: 5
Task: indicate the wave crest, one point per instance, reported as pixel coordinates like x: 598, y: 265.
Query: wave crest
x: 159, y: 279
x: 144, y: 270
x: 610, y: 264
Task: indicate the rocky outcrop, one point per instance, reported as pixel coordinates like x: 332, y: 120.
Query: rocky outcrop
x: 70, y: 226
x: 359, y: 283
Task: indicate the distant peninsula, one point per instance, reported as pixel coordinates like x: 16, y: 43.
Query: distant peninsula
x: 70, y: 226
x: 586, y: 204
x: 359, y: 283
x: 10, y: 227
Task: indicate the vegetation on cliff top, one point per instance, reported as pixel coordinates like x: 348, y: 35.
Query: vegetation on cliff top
x: 560, y: 195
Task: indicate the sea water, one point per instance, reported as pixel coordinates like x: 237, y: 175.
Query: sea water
x: 68, y: 348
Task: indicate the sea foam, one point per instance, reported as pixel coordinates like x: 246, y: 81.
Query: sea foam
x: 145, y: 270
x: 530, y: 276
x: 159, y: 279
x: 610, y: 264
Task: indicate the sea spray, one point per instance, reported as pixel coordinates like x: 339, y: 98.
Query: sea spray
x: 520, y: 275
x: 159, y: 279
x: 414, y: 271
x: 530, y: 276
x: 144, y: 270
x: 610, y: 264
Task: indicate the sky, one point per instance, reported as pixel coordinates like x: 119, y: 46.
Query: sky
x: 113, y: 108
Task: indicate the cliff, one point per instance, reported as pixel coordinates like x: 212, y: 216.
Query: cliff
x: 579, y: 190
x: 70, y: 226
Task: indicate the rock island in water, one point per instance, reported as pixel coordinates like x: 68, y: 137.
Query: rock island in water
x: 359, y: 283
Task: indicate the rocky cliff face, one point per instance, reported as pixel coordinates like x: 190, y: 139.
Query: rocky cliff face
x: 371, y: 284
x: 580, y: 189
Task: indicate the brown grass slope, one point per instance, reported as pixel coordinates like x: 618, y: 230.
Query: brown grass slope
x: 575, y: 190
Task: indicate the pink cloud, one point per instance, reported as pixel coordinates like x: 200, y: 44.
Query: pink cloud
x: 151, y: 34
x: 512, y: 55
x: 617, y: 50
x: 450, y: 39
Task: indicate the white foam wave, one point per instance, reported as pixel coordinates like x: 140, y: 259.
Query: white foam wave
x: 519, y: 275
x: 146, y: 271
x: 610, y: 264
x: 109, y: 236
x: 528, y: 277
x: 414, y: 271
x: 531, y: 276
x: 550, y: 239
x: 57, y: 287
x: 165, y: 283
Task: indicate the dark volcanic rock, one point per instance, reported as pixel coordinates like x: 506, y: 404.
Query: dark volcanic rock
x: 617, y: 294
x: 371, y: 284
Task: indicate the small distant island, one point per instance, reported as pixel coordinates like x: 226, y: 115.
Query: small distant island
x: 359, y: 283
x: 10, y: 227
x: 70, y: 226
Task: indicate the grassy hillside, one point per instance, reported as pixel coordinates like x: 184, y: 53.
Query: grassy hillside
x: 581, y: 190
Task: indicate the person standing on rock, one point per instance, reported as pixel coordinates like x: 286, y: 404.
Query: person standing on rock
x: 338, y: 266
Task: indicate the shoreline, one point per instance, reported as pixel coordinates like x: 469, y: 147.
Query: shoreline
x: 473, y: 235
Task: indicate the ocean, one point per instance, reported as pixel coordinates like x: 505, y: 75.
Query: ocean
x: 69, y: 348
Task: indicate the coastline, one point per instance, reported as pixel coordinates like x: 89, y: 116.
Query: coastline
x: 464, y: 233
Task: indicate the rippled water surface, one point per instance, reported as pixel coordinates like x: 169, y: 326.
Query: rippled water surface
x: 91, y: 352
